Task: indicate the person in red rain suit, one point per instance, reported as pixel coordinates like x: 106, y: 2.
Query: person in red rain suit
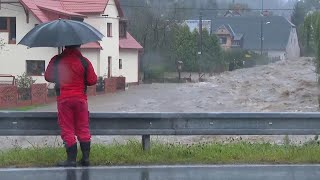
x: 72, y: 73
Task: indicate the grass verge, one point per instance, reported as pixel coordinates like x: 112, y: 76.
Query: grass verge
x: 23, y: 108
x: 132, y: 154
x: 26, y: 108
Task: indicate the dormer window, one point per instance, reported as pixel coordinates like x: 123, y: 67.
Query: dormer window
x: 123, y: 28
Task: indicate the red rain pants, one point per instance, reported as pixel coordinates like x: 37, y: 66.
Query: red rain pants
x: 73, y: 120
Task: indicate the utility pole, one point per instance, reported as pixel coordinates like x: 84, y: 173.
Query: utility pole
x: 200, y: 44
x: 261, y: 38
x: 262, y: 21
x: 200, y: 32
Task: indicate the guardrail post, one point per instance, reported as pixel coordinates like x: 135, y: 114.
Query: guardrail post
x: 146, y: 142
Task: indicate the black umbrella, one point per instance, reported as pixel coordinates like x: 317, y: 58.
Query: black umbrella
x: 60, y: 33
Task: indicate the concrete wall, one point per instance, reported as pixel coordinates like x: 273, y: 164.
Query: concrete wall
x: 276, y: 54
x: 94, y: 56
x: 293, y: 48
x: 130, y: 65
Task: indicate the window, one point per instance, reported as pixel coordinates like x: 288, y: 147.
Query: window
x: 35, y: 68
x: 120, y: 63
x: 109, y: 29
x: 223, y: 40
x: 8, y: 24
x: 236, y: 43
x: 12, y: 31
x: 3, y: 24
x: 123, y: 29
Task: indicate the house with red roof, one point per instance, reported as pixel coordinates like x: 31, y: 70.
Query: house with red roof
x: 116, y: 55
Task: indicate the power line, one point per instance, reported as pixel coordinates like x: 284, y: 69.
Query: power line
x: 188, y: 8
x: 183, y: 8
x: 170, y: 8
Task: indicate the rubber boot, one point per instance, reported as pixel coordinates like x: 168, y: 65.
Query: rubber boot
x: 85, y: 148
x: 71, y: 157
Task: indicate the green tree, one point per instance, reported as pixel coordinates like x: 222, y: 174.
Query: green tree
x: 302, y: 17
x: 240, y: 7
x: 185, y: 48
x: 316, y: 25
x: 299, y: 13
x: 308, y: 34
x: 212, y: 58
x: 311, y: 39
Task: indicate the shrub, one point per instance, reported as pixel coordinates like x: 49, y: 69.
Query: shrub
x: 24, y: 83
x: 155, y: 73
x: 100, y: 84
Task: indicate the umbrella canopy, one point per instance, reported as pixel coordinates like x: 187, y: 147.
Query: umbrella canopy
x: 60, y: 33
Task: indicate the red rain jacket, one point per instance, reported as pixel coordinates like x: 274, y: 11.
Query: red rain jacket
x: 71, y: 74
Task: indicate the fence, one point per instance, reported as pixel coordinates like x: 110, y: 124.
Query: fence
x: 147, y: 124
x: 7, y: 80
x: 11, y: 96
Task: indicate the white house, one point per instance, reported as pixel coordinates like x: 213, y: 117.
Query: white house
x: 117, y: 55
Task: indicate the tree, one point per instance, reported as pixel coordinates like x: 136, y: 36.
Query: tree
x: 240, y: 7
x: 311, y: 38
x: 306, y: 35
x: 299, y: 13
x: 155, y: 24
x: 302, y: 18
x: 185, y: 48
x: 152, y: 27
x: 212, y: 58
x: 316, y: 26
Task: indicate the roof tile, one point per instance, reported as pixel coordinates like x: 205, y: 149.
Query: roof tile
x: 92, y: 45
x: 88, y: 6
x: 129, y: 43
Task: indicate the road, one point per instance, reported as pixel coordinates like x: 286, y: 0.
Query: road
x: 228, y: 172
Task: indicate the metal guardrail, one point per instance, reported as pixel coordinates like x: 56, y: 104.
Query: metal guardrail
x: 146, y: 124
